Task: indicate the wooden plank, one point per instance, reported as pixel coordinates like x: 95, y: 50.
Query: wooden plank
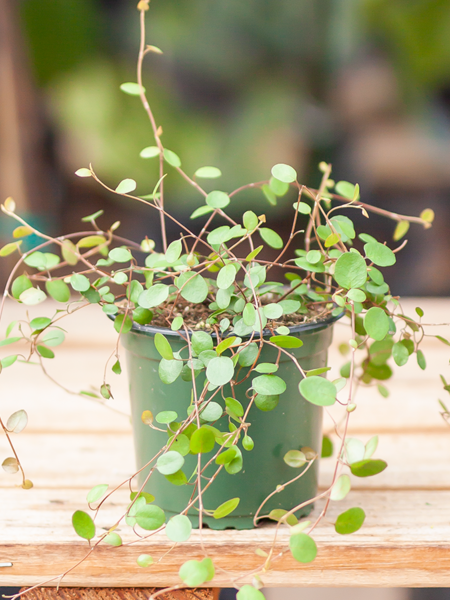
x: 404, y: 542
x: 120, y: 594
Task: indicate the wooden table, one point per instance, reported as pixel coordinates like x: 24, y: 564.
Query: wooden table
x: 72, y: 444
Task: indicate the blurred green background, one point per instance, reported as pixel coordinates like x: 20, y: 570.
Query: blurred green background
x: 242, y: 85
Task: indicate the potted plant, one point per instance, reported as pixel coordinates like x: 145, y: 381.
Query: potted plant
x: 227, y: 363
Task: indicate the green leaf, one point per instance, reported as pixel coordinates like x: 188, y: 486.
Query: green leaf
x: 249, y: 314
x: 202, y: 210
x: 96, y: 493
x: 220, y: 370
x: 193, y: 573
x: 254, y: 253
x: 91, y: 218
x: 212, y: 412
x: 10, y: 465
x: 133, y: 89
x: 123, y: 324
x: 53, y: 337
x: 234, y: 406
x: 247, y: 355
x: 303, y: 547
x: 32, y: 296
x: 286, y: 341
x: 177, y: 323
x: 226, y: 508
x: 20, y: 284
x: 8, y: 341
x: 271, y: 238
x: 166, y: 416
x: 170, y: 462
x: 116, y: 368
x: 10, y: 248
x: 179, y: 528
x: 368, y: 467
x: 346, y: 189
x: 266, y: 403
x: 228, y: 456
x: 91, y: 241
x: 332, y: 239
x: 58, y: 290
x: 269, y: 194
x: 379, y: 254
x: 400, y: 354
x: 250, y: 220
x: 401, y: 230
x: 163, y: 346
x: 83, y: 525
x: 226, y: 277
x: 307, y: 266
x: 350, y: 270
x: 113, y: 539
x: 248, y: 592
x: 273, y: 310
x: 202, y: 440
x: 45, y: 352
x: 277, y: 514
x: 421, y: 360
x: 144, y: 560
x: 8, y: 361
x: 126, y: 186
x: 120, y: 255
x: 201, y: 341
x: 178, y: 478
x: 149, y: 516
x: 172, y: 158
x: 225, y: 344
x: 302, y: 208
x: 279, y: 188
x: 341, y: 488
x: 79, y: 282
x: 173, y: 252
x: 266, y: 368
x: 376, y: 323
x: 217, y: 199
x: 208, y: 173
x: 318, y: 390
x: 193, y: 287
x: 154, y: 296
x: 356, y: 295
x: 83, y: 172
x: 284, y: 173
x: 150, y: 152
x: 295, y: 459
x: 40, y: 323
x: 169, y: 370
x: 350, y: 521
x: 269, y: 385
x: 327, y: 447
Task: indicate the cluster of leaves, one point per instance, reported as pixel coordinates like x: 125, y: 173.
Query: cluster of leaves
x: 329, y: 272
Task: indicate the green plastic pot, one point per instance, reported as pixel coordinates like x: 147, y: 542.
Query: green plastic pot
x: 293, y: 424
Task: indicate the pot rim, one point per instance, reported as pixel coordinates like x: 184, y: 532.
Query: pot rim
x: 295, y: 329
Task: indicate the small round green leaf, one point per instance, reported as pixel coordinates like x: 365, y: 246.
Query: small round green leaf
x: 266, y: 403
x: 350, y: 270
x: 169, y: 370
x: 83, y: 524
x: 53, y: 337
x: 226, y: 277
x: 269, y: 385
x: 379, y: 254
x: 172, y: 158
x: 248, y: 592
x: 368, y: 467
x: 376, y: 323
x: 400, y: 354
x: 284, y: 173
x: 133, y: 89
x: 350, y: 521
x: 150, y: 152
x: 217, y: 199
x: 341, y: 488
x: 154, y: 296
x: 96, y: 493
x: 303, y: 547
x: 271, y: 238
x: 58, y: 290
x: 273, y: 310
x: 120, y: 255
x: 318, y: 390
x: 170, y: 462
x: 32, y: 296
x: 250, y: 221
x: 144, y: 560
x: 20, y: 284
x: 163, y: 346
x: 193, y: 573
x: 179, y: 528
x: 166, y: 416
x: 202, y: 440
x: 220, y: 370
x: 150, y: 517
x: 113, y: 539
x: 79, y: 282
x: 208, y: 173
x: 286, y: 341
x: 193, y: 287
x: 295, y: 458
